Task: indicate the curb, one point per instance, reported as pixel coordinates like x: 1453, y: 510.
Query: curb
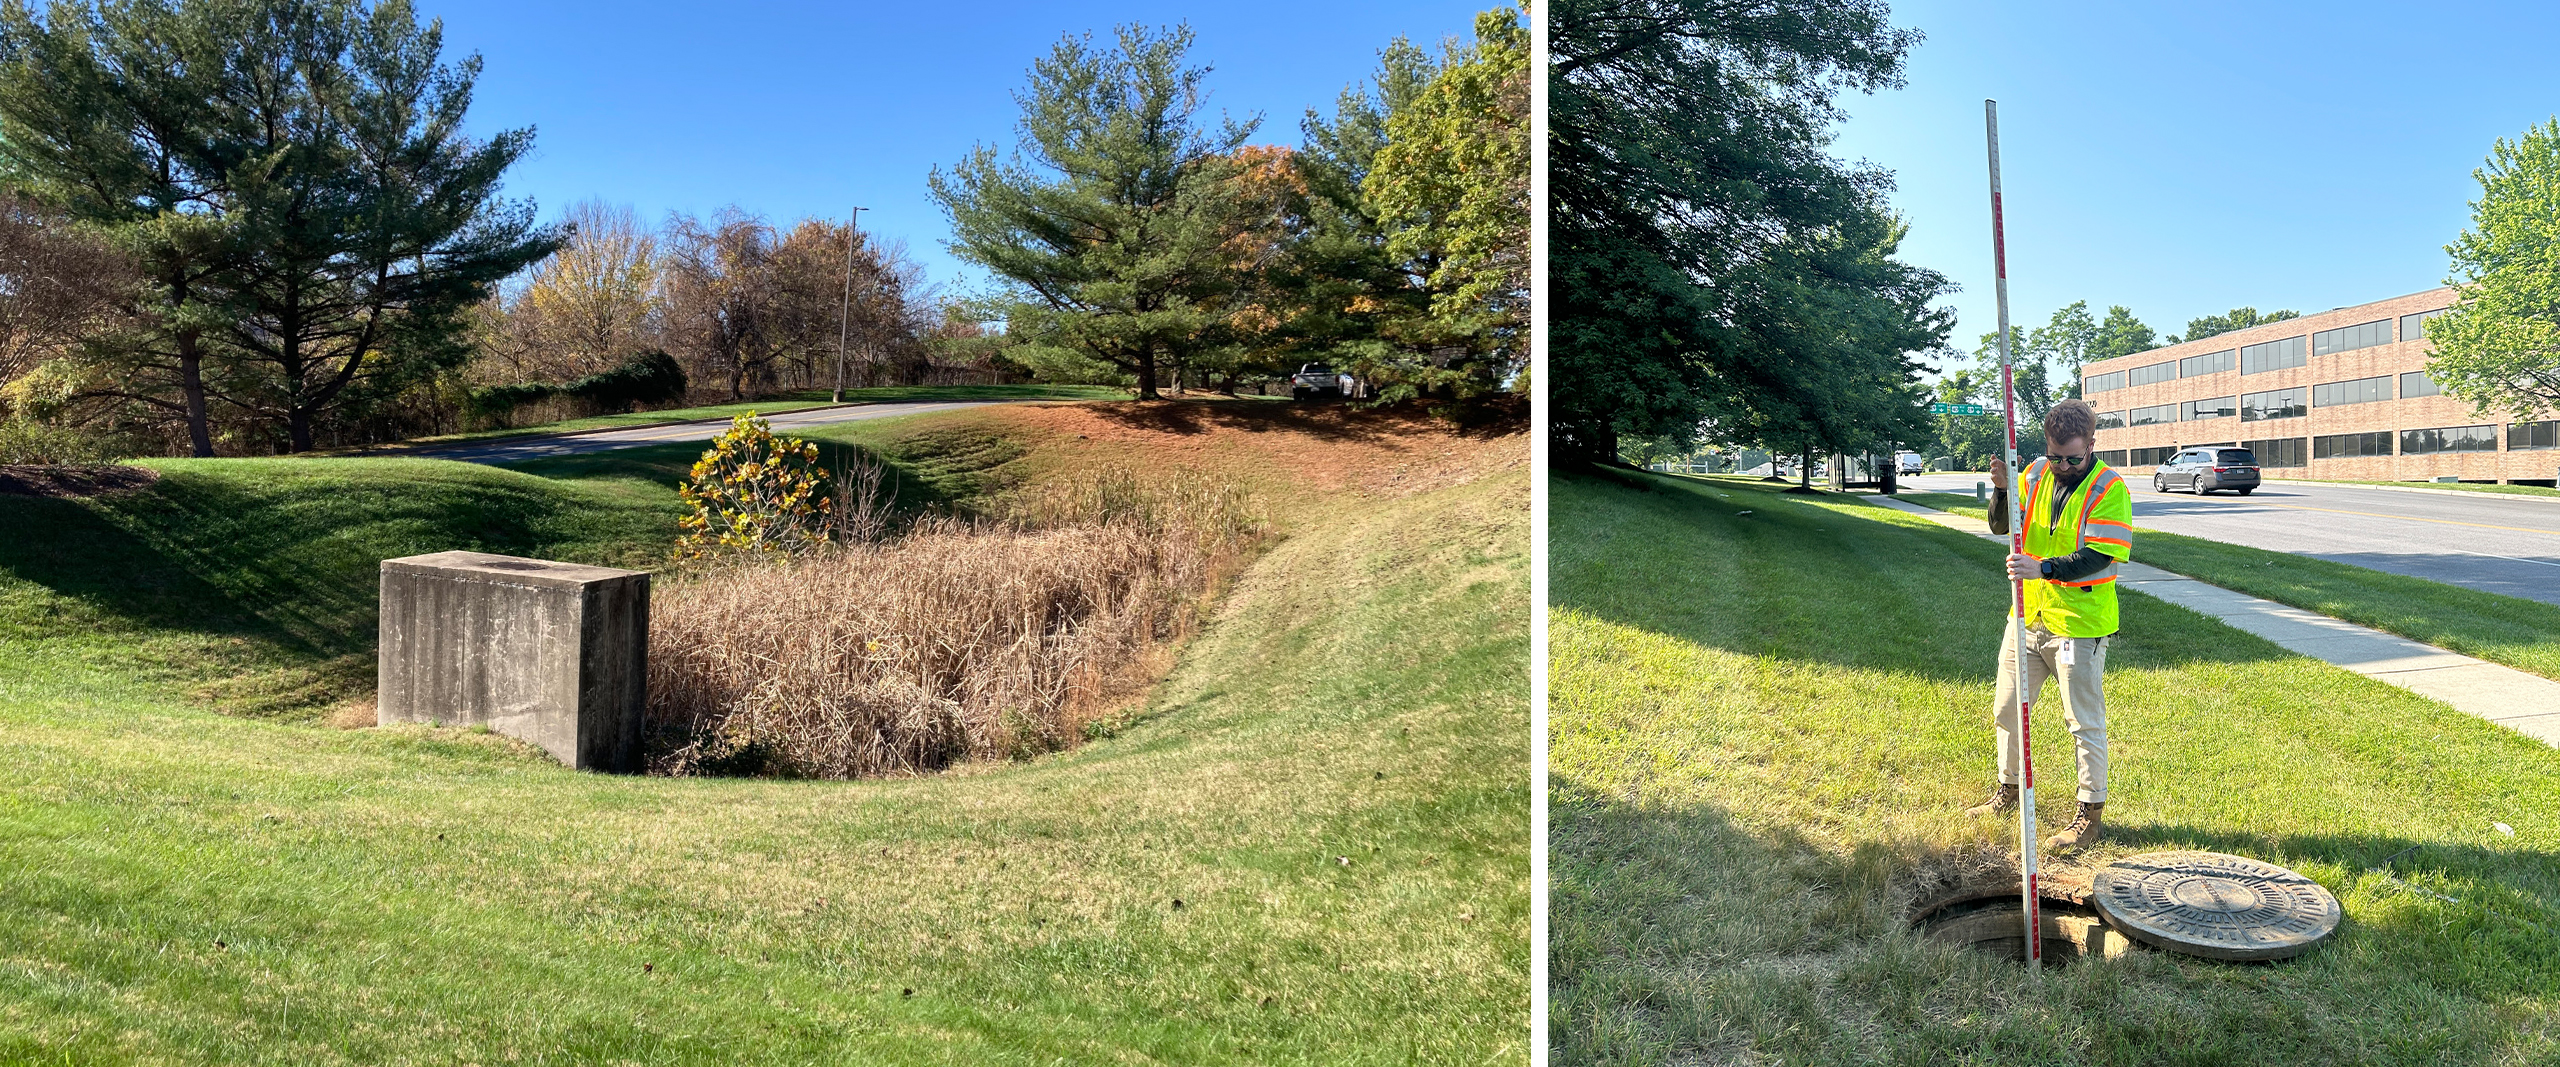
x: 2474, y: 494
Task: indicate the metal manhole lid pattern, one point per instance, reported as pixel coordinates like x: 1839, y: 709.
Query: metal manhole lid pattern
x: 2215, y: 905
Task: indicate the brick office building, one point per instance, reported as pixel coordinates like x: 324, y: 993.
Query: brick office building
x: 2343, y: 394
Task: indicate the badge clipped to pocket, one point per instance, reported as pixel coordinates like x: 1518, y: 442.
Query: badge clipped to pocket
x: 2070, y: 653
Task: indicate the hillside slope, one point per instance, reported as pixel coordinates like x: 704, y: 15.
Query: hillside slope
x: 1311, y: 846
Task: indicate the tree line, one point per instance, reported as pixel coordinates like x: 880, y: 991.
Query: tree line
x: 1134, y: 240
x: 245, y: 226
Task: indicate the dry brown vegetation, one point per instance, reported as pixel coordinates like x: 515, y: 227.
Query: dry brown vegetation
x: 989, y: 637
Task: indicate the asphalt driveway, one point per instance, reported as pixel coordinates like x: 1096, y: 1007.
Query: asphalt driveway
x: 518, y: 449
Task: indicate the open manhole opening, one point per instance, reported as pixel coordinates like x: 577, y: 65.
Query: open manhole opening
x: 1989, y: 920
x: 2206, y: 904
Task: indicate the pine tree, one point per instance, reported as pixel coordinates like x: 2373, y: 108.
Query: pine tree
x: 1109, y: 223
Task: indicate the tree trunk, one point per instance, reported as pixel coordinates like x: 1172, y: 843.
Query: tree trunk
x: 298, y: 426
x: 1147, y: 374
x: 191, y: 379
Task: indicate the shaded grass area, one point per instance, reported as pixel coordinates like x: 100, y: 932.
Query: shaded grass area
x: 797, y: 400
x: 2523, y: 634
x: 252, y: 582
x: 1763, y: 730
x: 1309, y: 846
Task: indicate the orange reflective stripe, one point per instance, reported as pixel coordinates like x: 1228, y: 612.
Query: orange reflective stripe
x: 2116, y: 541
x: 2095, y: 491
x: 2090, y: 582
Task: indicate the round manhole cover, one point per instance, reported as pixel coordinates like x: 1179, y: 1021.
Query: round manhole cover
x: 2214, y: 905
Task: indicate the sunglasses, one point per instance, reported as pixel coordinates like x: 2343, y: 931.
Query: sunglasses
x: 2073, y: 461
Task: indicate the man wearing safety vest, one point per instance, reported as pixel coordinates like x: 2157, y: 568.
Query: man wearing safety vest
x: 2079, y: 527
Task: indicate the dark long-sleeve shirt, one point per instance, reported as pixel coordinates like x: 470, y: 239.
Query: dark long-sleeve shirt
x: 2081, y: 564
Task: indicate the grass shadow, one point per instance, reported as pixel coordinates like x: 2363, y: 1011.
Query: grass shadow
x: 1335, y: 422
x: 1751, y: 568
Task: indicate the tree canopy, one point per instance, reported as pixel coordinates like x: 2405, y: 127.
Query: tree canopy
x: 1709, y: 261
x: 2499, y: 347
x: 294, y: 178
x: 2240, y: 318
x: 1109, y: 222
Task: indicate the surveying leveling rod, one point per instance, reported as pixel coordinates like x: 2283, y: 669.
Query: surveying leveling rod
x: 2017, y: 586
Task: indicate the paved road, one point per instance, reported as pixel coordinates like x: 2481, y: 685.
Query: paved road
x: 515, y: 449
x: 2499, y: 544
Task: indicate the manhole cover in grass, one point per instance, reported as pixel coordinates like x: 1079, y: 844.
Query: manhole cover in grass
x: 2214, y: 905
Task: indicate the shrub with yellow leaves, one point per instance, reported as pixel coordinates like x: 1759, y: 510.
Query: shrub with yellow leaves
x: 756, y: 493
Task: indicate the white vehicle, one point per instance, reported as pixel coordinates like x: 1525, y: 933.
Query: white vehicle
x: 1910, y: 463
x: 1315, y: 380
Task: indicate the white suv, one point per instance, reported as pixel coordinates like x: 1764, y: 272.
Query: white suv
x: 1910, y: 463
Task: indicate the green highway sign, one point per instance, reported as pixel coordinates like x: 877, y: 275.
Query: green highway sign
x: 1958, y: 409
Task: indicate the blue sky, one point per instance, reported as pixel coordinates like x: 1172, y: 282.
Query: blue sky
x: 793, y: 109
x: 2182, y: 159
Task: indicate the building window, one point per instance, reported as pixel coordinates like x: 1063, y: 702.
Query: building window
x: 2112, y: 459
x: 2417, y: 383
x: 2351, y: 445
x: 2524, y: 435
x: 2156, y: 413
x: 2208, y: 363
x: 2350, y: 338
x: 2153, y: 374
x: 2099, y: 383
x: 2449, y: 439
x: 2359, y: 391
x: 2273, y: 404
x: 2150, y: 457
x: 2111, y: 420
x: 2280, y: 451
x: 2413, y: 327
x: 2221, y: 407
x: 2271, y: 355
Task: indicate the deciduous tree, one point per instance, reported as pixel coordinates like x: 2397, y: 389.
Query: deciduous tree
x: 2499, y: 347
x: 2239, y: 318
x: 1450, y: 186
x: 1709, y: 259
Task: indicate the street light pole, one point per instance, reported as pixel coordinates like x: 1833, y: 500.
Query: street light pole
x: 844, y: 317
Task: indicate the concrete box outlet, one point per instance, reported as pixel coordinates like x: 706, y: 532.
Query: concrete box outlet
x: 555, y: 654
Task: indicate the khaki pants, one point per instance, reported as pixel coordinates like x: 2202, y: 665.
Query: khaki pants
x: 2084, y: 701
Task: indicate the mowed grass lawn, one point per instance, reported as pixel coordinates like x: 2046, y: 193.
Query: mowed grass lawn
x: 799, y: 400
x: 2524, y: 634
x: 1763, y: 727
x: 1311, y: 846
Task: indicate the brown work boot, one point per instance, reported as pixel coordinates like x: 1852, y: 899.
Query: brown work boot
x: 2085, y: 827
x: 2002, y: 799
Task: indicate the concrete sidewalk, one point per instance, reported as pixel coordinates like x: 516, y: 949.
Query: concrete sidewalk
x: 2526, y: 703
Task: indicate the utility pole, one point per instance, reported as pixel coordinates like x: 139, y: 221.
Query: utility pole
x: 844, y: 318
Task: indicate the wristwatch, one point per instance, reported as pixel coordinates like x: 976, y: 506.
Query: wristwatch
x: 2045, y: 567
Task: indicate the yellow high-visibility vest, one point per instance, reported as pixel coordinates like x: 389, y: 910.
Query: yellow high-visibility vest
x: 2097, y: 514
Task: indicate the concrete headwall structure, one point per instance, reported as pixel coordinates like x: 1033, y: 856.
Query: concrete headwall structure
x: 555, y: 654
x: 2372, y: 357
